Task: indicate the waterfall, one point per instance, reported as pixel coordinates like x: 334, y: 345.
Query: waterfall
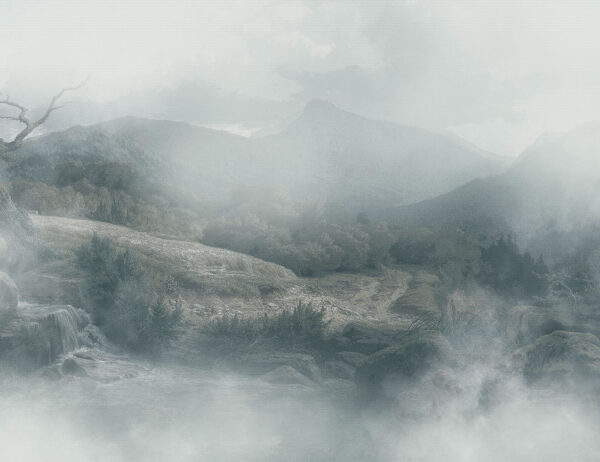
x: 39, y: 334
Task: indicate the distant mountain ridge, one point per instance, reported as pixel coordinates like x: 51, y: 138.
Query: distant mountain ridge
x: 379, y: 161
x: 327, y: 153
x: 552, y: 187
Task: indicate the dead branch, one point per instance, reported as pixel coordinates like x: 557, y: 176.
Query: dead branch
x: 21, y: 116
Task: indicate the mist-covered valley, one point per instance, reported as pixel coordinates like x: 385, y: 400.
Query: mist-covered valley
x: 317, y: 232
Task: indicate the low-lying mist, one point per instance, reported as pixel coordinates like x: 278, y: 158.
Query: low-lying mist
x: 180, y: 414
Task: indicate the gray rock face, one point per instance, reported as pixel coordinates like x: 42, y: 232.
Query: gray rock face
x: 36, y: 335
x: 4, y: 256
x: 527, y: 323
x: 9, y: 293
x: 562, y: 357
x: 405, y: 362
x: 70, y: 366
x: 18, y: 232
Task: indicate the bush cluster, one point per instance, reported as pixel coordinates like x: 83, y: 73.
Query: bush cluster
x: 511, y: 272
x: 308, y: 244
x: 458, y: 256
x: 122, y: 299
x: 304, y: 325
x: 111, y: 191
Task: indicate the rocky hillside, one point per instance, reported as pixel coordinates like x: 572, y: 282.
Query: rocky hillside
x: 214, y: 281
x: 388, y: 327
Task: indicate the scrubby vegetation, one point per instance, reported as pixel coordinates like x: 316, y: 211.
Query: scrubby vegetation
x: 499, y: 265
x: 312, y: 239
x: 307, y: 248
x: 113, y: 191
x: 577, y: 276
x: 303, y: 326
x: 132, y: 309
x: 511, y: 272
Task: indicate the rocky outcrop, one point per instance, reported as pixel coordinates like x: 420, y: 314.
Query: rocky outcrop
x: 404, y: 363
x: 422, y: 296
x: 368, y: 338
x: 36, y: 335
x: 70, y: 366
x: 19, y: 235
x: 562, y: 358
x: 286, y: 375
x: 55, y: 283
x: 9, y: 293
x: 527, y: 323
x: 262, y: 362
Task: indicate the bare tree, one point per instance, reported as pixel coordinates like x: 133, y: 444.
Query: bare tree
x: 7, y: 147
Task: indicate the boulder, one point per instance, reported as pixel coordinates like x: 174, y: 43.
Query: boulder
x: 339, y: 369
x: 526, y: 323
x: 562, y: 357
x: 286, y: 375
x: 367, y: 338
x: 70, y: 366
x: 430, y: 396
x: 9, y: 293
x: 261, y: 362
x: 353, y: 358
x: 404, y: 363
x: 421, y: 297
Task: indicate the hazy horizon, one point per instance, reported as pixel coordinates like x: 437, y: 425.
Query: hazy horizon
x: 497, y: 74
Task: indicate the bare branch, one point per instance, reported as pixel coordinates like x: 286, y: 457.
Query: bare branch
x: 15, y: 118
x: 21, y: 117
x: 8, y: 146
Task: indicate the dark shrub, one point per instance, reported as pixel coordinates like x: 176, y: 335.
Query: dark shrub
x: 304, y: 325
x: 122, y: 300
x: 512, y: 273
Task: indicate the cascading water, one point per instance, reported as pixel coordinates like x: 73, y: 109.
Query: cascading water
x: 39, y: 334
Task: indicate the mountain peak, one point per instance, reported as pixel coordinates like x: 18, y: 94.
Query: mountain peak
x: 323, y: 113
x: 319, y: 105
x: 322, y: 108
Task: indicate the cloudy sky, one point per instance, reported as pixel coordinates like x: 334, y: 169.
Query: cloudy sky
x: 499, y: 73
